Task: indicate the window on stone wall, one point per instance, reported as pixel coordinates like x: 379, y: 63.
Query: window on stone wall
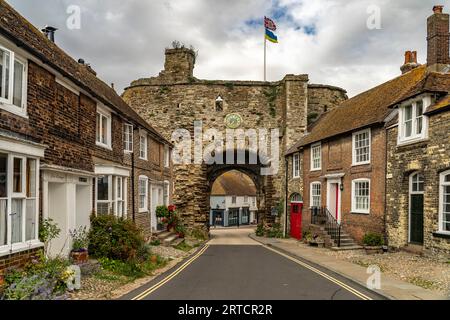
x: 296, y: 166
x: 316, y: 195
x: 413, y: 124
x: 361, y: 196
x: 13, y: 82
x: 166, y: 156
x: 444, y: 203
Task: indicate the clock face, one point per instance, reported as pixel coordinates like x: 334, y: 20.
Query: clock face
x: 233, y: 121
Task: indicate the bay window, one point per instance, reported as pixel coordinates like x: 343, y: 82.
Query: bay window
x: 111, y: 195
x: 13, y: 82
x: 143, y: 194
x: 412, y: 122
x: 361, y: 196
x: 18, y: 201
x: 444, y: 203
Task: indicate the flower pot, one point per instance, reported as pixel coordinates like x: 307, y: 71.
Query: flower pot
x: 373, y: 250
x: 2, y: 280
x: 79, y: 257
x: 154, y: 259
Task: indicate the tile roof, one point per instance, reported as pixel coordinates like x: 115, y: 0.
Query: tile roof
x: 20, y: 31
x: 441, y: 104
x: 234, y: 183
x: 366, y: 109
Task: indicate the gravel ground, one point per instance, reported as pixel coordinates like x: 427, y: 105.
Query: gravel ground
x: 426, y: 272
x: 101, y: 285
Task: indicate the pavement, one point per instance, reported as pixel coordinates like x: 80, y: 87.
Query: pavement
x: 232, y: 266
x: 390, y: 288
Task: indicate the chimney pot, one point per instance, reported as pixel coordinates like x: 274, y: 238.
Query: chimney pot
x: 49, y: 32
x: 410, y: 62
x: 407, y: 57
x: 438, y: 9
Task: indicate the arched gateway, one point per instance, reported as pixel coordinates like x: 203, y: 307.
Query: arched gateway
x: 176, y: 101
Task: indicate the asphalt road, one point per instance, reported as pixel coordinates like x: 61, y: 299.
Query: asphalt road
x: 232, y: 267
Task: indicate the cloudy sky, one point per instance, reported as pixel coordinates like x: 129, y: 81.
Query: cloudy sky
x: 328, y: 39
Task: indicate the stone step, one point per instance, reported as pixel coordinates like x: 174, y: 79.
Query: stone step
x: 164, y: 235
x: 347, y: 248
x: 177, y: 242
x: 167, y: 242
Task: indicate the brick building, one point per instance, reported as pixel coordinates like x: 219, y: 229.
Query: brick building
x: 343, y: 161
x: 418, y: 153
x: 69, y: 146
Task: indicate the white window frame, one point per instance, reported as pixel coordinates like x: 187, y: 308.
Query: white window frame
x: 312, y: 195
x: 143, y: 179
x: 103, y: 112
x: 233, y: 200
x: 8, y: 104
x: 354, y: 209
x: 167, y: 156
x: 442, y: 185
x: 25, y: 244
x: 128, y: 134
x: 402, y: 139
x: 296, y: 166
x: 143, y: 150
x: 355, y: 160
x: 313, y: 148
x: 166, y: 193
x: 114, y: 200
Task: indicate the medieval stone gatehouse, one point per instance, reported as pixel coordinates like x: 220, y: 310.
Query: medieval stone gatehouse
x: 175, y: 99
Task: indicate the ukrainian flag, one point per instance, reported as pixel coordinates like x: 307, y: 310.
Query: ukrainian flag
x: 271, y: 36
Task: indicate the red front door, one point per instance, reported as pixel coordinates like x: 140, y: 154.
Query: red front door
x: 296, y: 220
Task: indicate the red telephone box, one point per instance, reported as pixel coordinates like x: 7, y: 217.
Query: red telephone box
x: 296, y: 220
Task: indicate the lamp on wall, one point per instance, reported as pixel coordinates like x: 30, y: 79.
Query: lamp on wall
x: 342, y: 185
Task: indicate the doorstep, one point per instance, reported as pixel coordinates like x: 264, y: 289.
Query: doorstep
x: 391, y: 288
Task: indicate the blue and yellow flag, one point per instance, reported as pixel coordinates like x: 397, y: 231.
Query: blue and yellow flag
x: 271, y: 36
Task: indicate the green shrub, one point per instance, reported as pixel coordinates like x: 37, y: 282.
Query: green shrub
x: 116, y: 239
x: 373, y: 240
x: 162, y: 212
x: 260, y: 231
x: 199, y: 234
x: 275, y: 231
x: 155, y: 243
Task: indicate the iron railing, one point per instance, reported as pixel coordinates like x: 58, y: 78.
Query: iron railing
x: 323, y: 217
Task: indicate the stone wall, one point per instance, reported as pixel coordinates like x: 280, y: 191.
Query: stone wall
x: 175, y: 99
x: 430, y: 158
x: 321, y: 99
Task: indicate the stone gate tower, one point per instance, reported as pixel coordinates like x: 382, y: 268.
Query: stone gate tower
x: 175, y: 99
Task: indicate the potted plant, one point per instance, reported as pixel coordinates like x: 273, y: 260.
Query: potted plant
x: 80, y: 244
x: 171, y: 219
x: 373, y: 243
x: 162, y: 212
x: 180, y: 230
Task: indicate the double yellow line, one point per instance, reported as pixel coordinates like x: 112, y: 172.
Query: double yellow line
x: 148, y: 292
x: 324, y: 275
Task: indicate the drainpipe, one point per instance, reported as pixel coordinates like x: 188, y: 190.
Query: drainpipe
x: 386, y: 240
x: 133, y: 193
x: 286, y: 198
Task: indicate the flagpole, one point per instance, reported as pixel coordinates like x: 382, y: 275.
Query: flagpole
x: 265, y: 55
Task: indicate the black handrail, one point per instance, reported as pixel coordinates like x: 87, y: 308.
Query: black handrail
x: 322, y: 216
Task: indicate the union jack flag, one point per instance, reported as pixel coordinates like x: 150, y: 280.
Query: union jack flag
x: 269, y: 24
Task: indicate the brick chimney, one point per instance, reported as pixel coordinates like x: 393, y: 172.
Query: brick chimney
x: 179, y: 64
x: 410, y: 62
x: 438, y: 39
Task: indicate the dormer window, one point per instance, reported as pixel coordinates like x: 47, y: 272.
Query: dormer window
x: 413, y: 124
x: 219, y: 104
